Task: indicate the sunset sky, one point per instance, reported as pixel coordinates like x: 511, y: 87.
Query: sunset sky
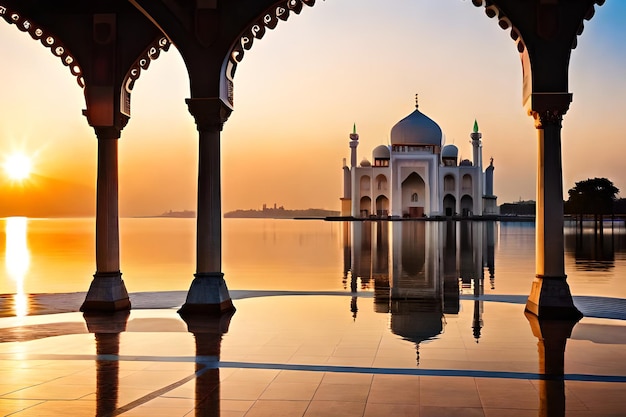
x: 298, y: 92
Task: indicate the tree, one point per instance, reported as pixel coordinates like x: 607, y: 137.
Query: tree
x: 592, y: 196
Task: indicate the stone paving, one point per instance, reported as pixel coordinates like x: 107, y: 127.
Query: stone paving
x: 308, y: 354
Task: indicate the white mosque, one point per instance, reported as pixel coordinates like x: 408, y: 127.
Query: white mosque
x: 415, y: 177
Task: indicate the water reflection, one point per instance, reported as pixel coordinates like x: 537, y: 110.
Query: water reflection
x: 17, y: 260
x: 592, y: 250
x: 419, y: 269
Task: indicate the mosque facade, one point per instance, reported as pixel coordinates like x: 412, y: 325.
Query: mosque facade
x: 417, y: 177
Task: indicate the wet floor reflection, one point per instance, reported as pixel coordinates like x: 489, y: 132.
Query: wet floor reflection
x: 552, y: 338
x: 208, y: 332
x: 106, y: 329
x: 144, y: 362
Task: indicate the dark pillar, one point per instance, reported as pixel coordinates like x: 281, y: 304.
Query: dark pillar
x: 208, y: 293
x: 107, y: 291
x: 550, y: 295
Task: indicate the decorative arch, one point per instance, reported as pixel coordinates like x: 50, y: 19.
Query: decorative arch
x: 46, y: 38
x: 493, y: 10
x: 467, y: 205
x: 143, y: 62
x: 467, y: 183
x: 365, y: 184
x: 449, y: 205
x: 414, y: 198
x: 381, y: 183
x: 365, y: 206
x: 280, y: 10
x: 449, y: 183
x: 382, y: 206
x: 68, y: 59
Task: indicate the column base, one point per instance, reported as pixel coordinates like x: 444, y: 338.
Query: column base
x: 550, y: 298
x: 107, y: 293
x: 207, y: 295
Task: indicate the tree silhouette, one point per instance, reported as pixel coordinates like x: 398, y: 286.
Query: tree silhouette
x: 592, y: 196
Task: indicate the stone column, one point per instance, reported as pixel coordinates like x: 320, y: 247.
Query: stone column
x: 550, y: 295
x: 107, y: 291
x: 208, y: 293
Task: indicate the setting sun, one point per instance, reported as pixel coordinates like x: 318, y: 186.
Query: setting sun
x: 18, y: 166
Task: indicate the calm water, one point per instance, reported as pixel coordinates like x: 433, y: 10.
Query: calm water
x: 447, y: 354
x: 57, y: 255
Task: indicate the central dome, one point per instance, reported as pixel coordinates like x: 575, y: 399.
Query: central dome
x: 416, y: 129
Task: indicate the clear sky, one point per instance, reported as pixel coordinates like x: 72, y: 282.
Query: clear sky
x: 298, y: 92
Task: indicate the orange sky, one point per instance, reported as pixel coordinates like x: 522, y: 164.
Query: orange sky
x: 300, y: 89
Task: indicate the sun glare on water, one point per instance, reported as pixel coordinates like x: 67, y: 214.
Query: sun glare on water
x: 18, y: 166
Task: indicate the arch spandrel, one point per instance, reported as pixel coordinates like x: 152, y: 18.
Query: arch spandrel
x: 47, y: 39
x: 211, y: 56
x: 69, y: 30
x: 545, y: 33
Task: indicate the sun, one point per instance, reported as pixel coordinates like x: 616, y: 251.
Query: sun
x: 18, y: 166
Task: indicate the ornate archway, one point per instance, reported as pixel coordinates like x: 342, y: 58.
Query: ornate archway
x: 212, y: 37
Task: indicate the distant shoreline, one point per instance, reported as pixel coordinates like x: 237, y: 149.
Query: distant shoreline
x: 280, y: 213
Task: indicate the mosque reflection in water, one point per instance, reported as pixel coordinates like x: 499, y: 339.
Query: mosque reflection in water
x: 418, y: 270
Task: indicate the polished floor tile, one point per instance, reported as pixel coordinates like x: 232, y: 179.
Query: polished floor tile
x: 274, y: 365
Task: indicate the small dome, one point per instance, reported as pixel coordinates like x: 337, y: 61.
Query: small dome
x: 466, y: 163
x: 366, y: 163
x: 416, y: 129
x: 381, y: 152
x: 450, y: 151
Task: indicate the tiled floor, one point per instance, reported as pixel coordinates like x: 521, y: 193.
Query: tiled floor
x: 307, y: 356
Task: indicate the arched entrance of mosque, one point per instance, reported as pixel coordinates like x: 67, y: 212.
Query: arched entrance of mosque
x: 382, y: 206
x: 365, y: 207
x: 449, y: 205
x: 467, y: 206
x: 413, y: 196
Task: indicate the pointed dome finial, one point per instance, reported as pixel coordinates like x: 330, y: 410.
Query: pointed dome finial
x: 354, y: 129
x: 475, y: 126
x: 417, y: 104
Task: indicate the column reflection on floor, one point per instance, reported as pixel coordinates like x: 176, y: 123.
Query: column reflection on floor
x: 106, y: 329
x: 208, y: 332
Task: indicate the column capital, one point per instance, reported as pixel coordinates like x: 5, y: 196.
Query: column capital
x: 210, y: 114
x: 548, y: 108
x: 108, y: 132
x: 547, y: 118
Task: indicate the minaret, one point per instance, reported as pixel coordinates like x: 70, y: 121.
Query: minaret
x: 477, y: 146
x: 354, y: 142
x: 346, y: 200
